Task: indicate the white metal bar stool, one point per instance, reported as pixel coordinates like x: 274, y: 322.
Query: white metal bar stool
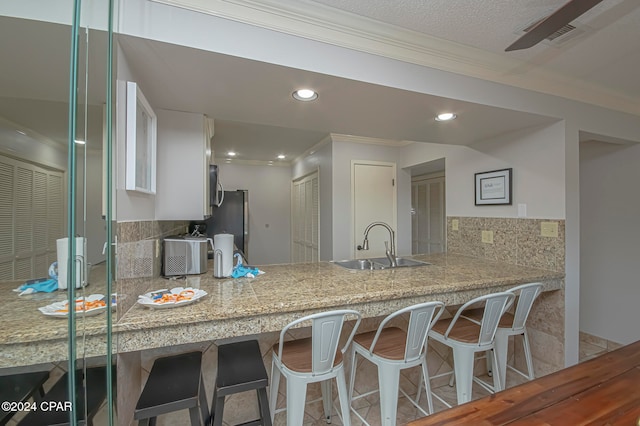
x: 467, y: 337
x: 392, y: 349
x: 513, y: 324
x: 310, y: 360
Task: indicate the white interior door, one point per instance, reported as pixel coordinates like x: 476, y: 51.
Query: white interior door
x: 374, y: 200
x: 428, y: 230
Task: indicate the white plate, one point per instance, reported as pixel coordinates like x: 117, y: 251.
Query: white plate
x: 56, y: 309
x: 148, y: 299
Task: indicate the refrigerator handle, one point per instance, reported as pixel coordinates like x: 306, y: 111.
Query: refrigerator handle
x: 219, y: 203
x: 246, y: 223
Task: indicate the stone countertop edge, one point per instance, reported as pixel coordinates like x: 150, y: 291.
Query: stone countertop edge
x: 315, y: 287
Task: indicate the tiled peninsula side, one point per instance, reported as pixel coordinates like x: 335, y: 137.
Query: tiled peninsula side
x: 522, y: 241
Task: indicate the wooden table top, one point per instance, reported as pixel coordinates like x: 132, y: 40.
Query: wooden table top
x: 602, y: 391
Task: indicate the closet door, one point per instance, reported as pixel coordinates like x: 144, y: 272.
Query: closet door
x: 305, y: 244
x: 428, y: 215
x: 31, y: 218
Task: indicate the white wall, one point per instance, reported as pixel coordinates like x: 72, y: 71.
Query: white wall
x: 609, y: 241
x: 537, y: 159
x: 321, y: 160
x: 269, y: 209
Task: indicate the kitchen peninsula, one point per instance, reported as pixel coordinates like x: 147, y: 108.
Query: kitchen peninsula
x: 263, y: 305
x: 249, y: 306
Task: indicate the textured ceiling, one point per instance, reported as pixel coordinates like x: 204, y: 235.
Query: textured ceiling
x: 254, y: 113
x: 607, y: 54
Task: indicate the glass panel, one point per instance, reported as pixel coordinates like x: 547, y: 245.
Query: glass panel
x: 50, y: 190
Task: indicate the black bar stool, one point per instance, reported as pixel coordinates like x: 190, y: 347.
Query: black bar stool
x: 21, y: 387
x: 95, y: 391
x: 175, y: 383
x: 240, y: 369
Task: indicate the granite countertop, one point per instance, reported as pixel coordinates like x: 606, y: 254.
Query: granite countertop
x: 266, y: 302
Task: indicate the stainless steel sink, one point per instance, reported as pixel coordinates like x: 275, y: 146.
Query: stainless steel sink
x: 378, y: 263
x: 401, y: 262
x: 361, y: 264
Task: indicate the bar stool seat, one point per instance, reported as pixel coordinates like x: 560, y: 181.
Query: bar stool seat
x: 240, y: 369
x: 466, y: 337
x: 95, y: 392
x: 21, y: 387
x: 175, y: 383
x: 393, y: 349
x: 313, y: 360
x: 512, y: 324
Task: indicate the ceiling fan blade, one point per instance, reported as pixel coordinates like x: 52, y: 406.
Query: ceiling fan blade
x: 558, y: 19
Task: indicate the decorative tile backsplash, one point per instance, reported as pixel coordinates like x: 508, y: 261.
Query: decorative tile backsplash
x: 139, y: 246
x: 138, y: 258
x: 511, y: 240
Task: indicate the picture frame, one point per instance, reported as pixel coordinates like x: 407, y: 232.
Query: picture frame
x: 493, y: 187
x: 141, y: 140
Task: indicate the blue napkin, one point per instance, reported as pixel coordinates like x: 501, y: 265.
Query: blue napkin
x: 245, y: 271
x: 46, y: 286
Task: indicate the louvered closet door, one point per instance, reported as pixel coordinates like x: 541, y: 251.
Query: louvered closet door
x: 6, y: 220
x: 305, y: 217
x: 31, y: 218
x: 428, y: 215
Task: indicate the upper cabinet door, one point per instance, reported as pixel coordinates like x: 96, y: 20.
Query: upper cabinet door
x: 183, y: 169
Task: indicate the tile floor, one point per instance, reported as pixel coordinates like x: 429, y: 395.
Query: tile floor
x: 368, y: 407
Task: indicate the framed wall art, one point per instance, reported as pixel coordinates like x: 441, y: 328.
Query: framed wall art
x: 493, y: 188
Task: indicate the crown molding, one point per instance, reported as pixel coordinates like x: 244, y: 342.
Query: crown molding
x: 336, y: 137
x: 340, y: 138
x: 238, y: 162
x: 329, y: 25
x: 309, y: 151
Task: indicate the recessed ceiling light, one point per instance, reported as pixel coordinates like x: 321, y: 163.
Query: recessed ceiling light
x: 79, y: 142
x: 446, y: 116
x: 305, y: 95
x: 281, y: 156
x: 231, y: 154
x: 21, y: 132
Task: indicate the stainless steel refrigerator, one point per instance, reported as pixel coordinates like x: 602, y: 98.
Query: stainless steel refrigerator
x: 232, y: 217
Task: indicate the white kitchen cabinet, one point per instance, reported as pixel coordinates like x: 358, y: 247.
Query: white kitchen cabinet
x: 184, y: 155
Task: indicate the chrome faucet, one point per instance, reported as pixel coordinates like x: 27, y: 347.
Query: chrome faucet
x: 390, y: 253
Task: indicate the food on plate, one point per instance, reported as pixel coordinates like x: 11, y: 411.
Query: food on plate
x: 84, y: 305
x: 173, y: 297
x: 178, y: 296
